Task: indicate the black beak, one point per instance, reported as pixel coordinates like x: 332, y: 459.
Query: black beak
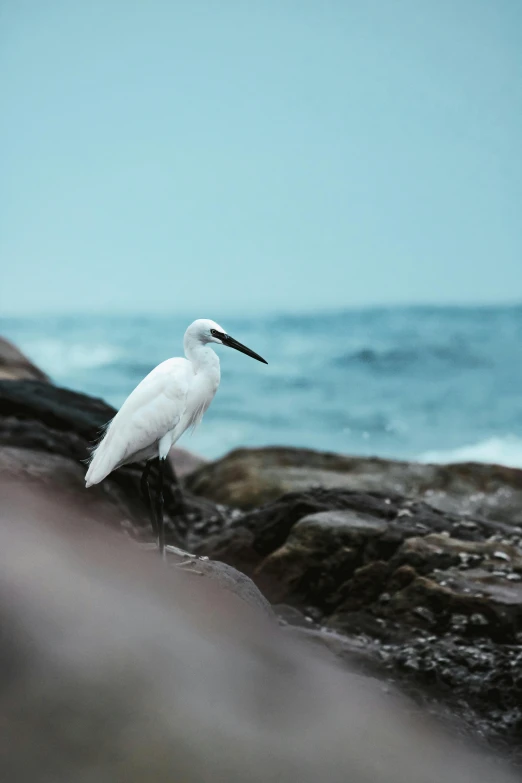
x: 227, y: 340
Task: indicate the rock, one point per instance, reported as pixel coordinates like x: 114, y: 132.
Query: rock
x: 378, y: 527
x: 47, y: 418
x: 247, y: 478
x: 449, y: 594
x: 227, y: 578
x: 340, y: 527
x: 62, y: 479
x: 290, y: 616
x: 395, y: 573
x: 253, y: 535
x: 115, y: 668
x: 435, y: 551
x: 321, y: 550
x: 15, y: 366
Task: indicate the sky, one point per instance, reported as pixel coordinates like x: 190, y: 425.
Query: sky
x: 257, y: 156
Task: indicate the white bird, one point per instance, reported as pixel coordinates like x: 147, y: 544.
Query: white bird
x: 170, y: 399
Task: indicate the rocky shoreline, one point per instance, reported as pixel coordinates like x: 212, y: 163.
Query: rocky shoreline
x: 410, y: 572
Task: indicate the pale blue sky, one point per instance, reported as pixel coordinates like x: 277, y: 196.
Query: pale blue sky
x: 261, y: 155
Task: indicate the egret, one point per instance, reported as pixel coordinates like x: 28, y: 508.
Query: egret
x: 171, y: 399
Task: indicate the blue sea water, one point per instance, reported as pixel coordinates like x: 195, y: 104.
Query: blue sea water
x: 431, y: 383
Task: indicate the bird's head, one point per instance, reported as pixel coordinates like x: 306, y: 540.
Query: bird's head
x: 206, y: 331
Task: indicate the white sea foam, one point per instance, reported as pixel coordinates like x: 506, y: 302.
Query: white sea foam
x: 59, y: 358
x: 497, y: 451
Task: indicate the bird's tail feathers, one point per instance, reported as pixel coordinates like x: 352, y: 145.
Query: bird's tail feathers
x: 98, y: 469
x: 95, y: 445
x: 99, y: 459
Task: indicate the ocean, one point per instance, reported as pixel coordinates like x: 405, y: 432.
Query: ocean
x: 437, y: 384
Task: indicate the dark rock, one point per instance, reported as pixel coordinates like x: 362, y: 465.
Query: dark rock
x: 320, y: 551
x: 289, y: 615
x: 294, y: 535
x: 449, y: 593
x: 256, y: 534
x: 480, y: 679
x: 424, y: 553
x: 246, y: 478
x: 15, y: 366
x: 365, y: 586
x: 442, y: 551
x: 44, y: 417
x: 351, y: 527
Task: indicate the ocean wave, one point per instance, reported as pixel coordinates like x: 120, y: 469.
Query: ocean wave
x: 60, y: 359
x: 390, y: 383
x: 495, y: 451
x: 401, y: 358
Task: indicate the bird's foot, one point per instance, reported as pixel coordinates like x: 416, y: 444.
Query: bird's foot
x: 175, y: 550
x: 187, y: 559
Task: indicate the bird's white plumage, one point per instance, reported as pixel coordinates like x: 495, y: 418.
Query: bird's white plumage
x: 169, y: 400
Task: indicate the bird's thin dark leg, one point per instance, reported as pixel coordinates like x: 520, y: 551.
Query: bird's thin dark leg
x: 180, y: 507
x: 145, y: 491
x: 178, y: 494
x: 159, y: 509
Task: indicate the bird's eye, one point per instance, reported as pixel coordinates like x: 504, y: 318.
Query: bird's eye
x: 213, y: 332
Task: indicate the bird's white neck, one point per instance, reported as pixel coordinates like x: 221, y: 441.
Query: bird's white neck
x: 200, y: 355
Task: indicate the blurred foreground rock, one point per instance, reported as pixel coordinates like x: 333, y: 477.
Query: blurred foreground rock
x: 118, y: 668
x: 247, y: 478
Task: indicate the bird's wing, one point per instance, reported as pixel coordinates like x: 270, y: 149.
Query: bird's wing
x: 154, y: 408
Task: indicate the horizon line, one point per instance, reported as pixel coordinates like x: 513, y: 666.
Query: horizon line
x: 266, y: 312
